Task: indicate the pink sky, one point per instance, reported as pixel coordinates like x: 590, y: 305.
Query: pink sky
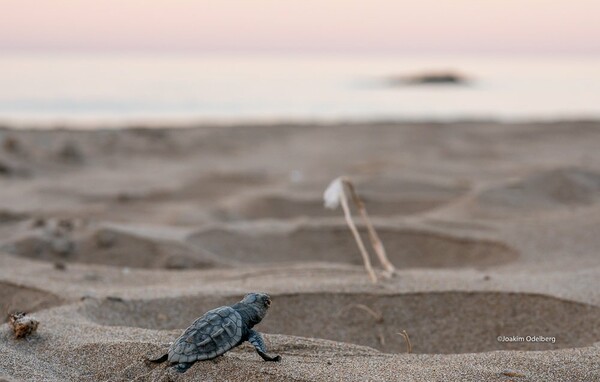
x: 396, y: 26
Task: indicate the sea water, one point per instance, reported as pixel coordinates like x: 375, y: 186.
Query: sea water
x: 79, y: 88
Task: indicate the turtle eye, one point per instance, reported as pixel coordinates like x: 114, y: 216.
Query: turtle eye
x: 267, y: 302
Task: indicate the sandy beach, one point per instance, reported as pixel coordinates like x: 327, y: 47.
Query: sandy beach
x: 117, y: 239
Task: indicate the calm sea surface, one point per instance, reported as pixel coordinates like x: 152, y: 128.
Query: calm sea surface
x: 76, y: 88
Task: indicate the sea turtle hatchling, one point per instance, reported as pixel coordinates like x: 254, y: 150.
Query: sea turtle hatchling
x: 220, y: 330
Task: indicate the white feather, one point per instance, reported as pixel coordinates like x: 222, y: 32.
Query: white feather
x: 333, y: 193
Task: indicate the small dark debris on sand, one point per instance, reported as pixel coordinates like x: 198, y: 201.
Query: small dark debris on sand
x: 11, y: 169
x: 22, y: 324
x: 5, y: 169
x: 11, y: 144
x: 513, y: 373
x: 71, y: 153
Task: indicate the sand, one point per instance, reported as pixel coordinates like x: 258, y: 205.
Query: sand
x: 116, y: 240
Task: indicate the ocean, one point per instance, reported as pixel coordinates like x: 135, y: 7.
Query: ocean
x: 114, y: 89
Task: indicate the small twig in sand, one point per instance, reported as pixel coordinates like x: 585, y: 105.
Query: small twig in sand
x: 378, y: 317
x: 380, y: 337
x: 512, y: 373
x: 375, y: 241
x: 335, y: 195
x: 407, y: 340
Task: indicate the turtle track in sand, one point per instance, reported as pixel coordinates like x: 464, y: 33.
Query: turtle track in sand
x: 437, y: 322
x: 406, y: 248
x: 408, y: 198
x: 25, y: 299
x: 540, y: 191
x: 109, y: 246
x: 275, y: 206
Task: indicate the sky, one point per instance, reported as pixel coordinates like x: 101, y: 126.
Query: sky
x: 299, y: 26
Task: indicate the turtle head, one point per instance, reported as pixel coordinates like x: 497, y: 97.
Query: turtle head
x: 259, y: 303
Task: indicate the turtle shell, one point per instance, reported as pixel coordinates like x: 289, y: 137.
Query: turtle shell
x: 216, y: 332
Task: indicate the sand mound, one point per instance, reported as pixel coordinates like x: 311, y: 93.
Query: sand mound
x: 209, y: 186
x: 125, y: 362
x: 286, y: 207
x: 7, y: 217
x: 10, y: 169
x: 167, y: 313
x: 406, y: 248
x: 448, y: 322
x: 15, y: 298
x: 188, y: 201
x: 109, y: 246
x: 393, y: 186
x: 545, y: 190
x: 383, y: 197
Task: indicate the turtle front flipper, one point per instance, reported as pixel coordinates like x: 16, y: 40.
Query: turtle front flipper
x: 259, y: 344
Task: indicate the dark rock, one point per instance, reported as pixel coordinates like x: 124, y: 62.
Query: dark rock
x: 430, y: 78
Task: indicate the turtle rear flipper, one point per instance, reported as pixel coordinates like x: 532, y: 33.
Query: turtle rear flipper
x: 182, y: 367
x: 160, y: 359
x: 268, y: 357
